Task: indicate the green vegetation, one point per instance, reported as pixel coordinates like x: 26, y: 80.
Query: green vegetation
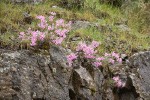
x: 135, y: 15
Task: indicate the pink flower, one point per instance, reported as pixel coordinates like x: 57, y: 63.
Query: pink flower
x: 115, y: 55
x: 53, y: 13
x: 94, y: 44
x: 33, y: 43
x: 61, y: 33
x: 118, y: 82
x: 119, y: 60
x: 59, y: 22
x: 70, y: 58
x: 116, y: 78
x: 89, y: 56
x: 106, y: 54
x: 51, y: 18
x: 111, y: 61
x: 50, y: 28
x: 43, y: 25
x: 81, y: 46
x: 97, y: 64
x: 42, y: 18
x: 65, y: 31
x: 34, y: 33
x: 58, y: 40
x: 58, y: 31
x: 22, y: 35
x: 88, y: 52
x: 100, y: 58
x: 41, y: 36
x: 33, y: 38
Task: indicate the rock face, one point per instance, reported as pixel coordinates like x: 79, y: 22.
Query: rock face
x: 25, y: 75
x: 136, y: 74
x: 140, y: 69
x: 28, y: 76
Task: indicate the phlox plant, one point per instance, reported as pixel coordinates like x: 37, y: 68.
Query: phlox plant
x: 52, y: 29
x: 89, y: 52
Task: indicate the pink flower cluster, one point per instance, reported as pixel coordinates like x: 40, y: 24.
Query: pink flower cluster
x: 88, y: 50
x: 33, y: 36
x: 118, y: 82
x: 55, y: 31
x: 70, y: 58
x: 98, y: 61
x: 43, y: 24
x: 97, y: 64
x: 113, y: 57
x: 55, y: 28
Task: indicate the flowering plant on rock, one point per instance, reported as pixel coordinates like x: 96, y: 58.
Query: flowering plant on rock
x: 54, y: 31
x: 51, y: 29
x: 89, y: 52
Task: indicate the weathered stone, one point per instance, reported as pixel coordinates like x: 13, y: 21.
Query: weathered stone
x: 83, y: 85
x: 123, y: 27
x: 136, y: 77
x: 84, y: 24
x: 25, y: 75
x: 140, y: 67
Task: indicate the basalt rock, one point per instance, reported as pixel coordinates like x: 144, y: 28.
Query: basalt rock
x: 25, y: 75
x: 140, y: 75
x: 135, y: 74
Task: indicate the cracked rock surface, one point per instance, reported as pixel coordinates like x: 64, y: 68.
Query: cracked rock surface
x: 25, y: 75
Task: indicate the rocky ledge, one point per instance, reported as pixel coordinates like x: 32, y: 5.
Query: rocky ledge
x: 25, y: 75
